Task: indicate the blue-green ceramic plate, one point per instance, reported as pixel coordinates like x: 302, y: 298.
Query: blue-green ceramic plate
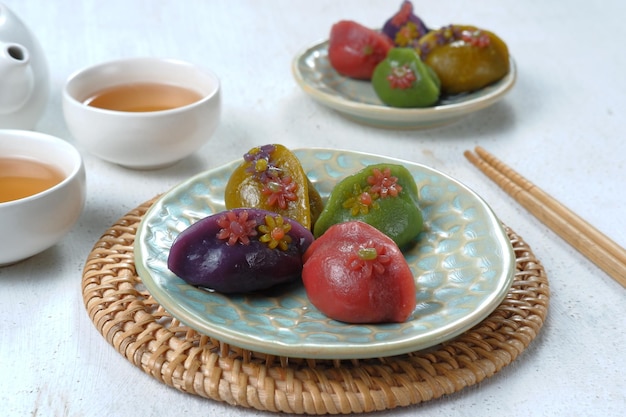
x: 463, y: 264
x: 357, y: 100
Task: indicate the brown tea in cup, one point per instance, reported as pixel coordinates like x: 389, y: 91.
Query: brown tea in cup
x: 143, y: 97
x: 23, y: 177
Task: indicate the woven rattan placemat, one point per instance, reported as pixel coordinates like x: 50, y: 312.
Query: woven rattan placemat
x: 141, y: 330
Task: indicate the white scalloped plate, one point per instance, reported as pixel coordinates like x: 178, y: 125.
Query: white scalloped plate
x: 357, y: 100
x: 463, y: 264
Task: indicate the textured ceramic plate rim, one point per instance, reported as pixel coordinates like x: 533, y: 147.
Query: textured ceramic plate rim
x: 390, y: 117
x: 323, y: 349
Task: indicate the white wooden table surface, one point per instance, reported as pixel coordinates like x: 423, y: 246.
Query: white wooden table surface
x: 562, y: 127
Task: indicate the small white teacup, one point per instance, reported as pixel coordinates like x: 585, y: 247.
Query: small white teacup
x: 42, y: 192
x: 142, y: 113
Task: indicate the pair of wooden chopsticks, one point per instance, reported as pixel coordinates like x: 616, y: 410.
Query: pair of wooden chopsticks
x: 597, y: 247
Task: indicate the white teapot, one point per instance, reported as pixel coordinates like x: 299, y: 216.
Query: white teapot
x: 24, y: 77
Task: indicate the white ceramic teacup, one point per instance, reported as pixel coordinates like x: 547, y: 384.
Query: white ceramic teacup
x: 142, y: 139
x: 34, y: 223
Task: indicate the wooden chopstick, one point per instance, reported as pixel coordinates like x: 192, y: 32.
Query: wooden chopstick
x: 596, y: 246
x: 594, y: 234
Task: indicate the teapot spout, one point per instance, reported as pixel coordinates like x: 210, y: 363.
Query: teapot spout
x: 17, y: 77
